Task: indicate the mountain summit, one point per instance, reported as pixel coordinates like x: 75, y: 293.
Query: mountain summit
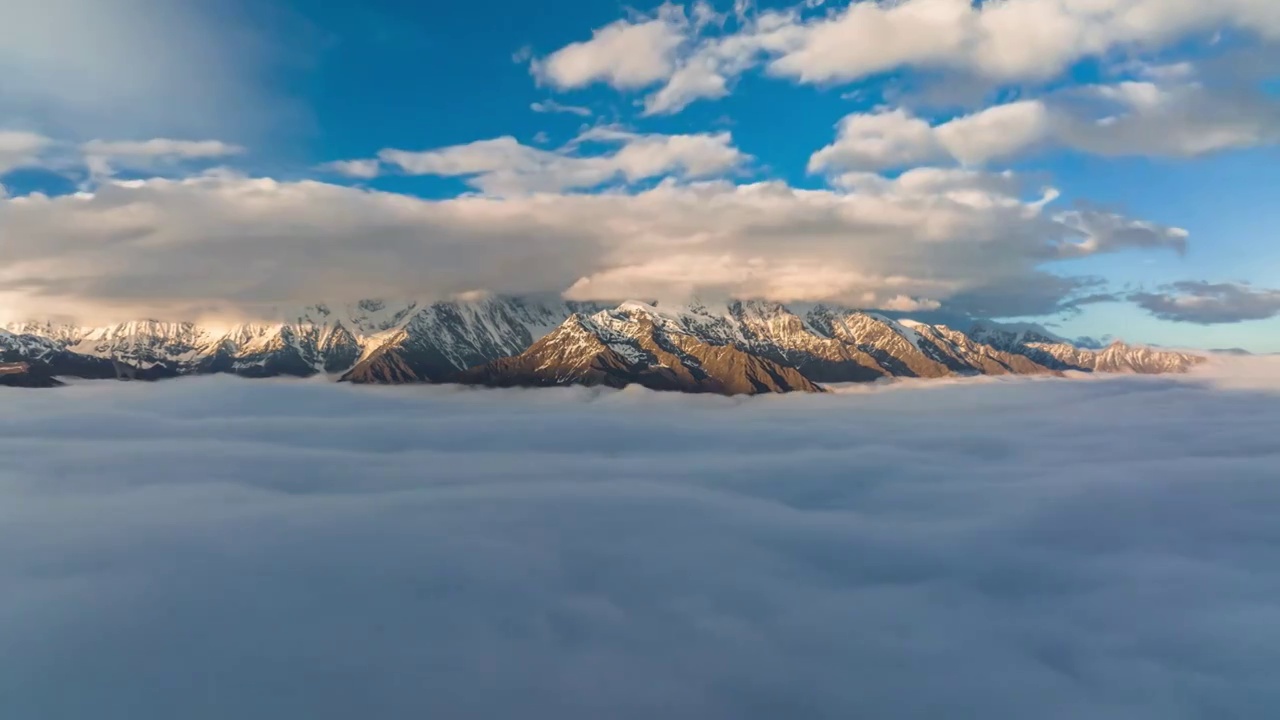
x: 735, y: 348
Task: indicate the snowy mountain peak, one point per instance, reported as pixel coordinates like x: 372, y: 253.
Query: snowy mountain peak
x: 738, y: 346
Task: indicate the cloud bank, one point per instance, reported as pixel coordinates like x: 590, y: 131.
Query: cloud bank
x: 219, y: 242
x: 214, y: 549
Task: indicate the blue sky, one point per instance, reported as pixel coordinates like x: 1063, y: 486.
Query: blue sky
x: 882, y: 155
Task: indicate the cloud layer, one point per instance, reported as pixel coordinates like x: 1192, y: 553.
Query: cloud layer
x: 215, y: 548
x: 978, y: 242
x: 1210, y: 303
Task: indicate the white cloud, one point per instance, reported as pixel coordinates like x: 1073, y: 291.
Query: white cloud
x: 365, y: 169
x: 1047, y: 549
x: 1127, y: 118
x: 696, y: 79
x: 996, y: 133
x: 19, y: 149
x: 1210, y: 303
x: 672, y: 48
x: 885, y: 139
x: 624, y: 54
x: 181, y: 248
x: 1006, y: 41
x: 872, y: 37
x: 103, y: 157
x: 709, y: 65
x: 481, y: 156
x: 902, y: 303
x: 551, y: 106
x: 160, y: 148
x: 897, y: 138
x: 1014, y: 41
x: 504, y: 166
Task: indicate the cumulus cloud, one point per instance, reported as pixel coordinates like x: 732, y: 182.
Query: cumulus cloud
x: 698, y: 78
x: 885, y: 139
x: 687, y: 52
x: 1128, y: 118
x: 897, y: 138
x: 1016, y: 41
x: 624, y: 54
x: 505, y: 166
x: 872, y: 37
x: 709, y: 67
x: 217, y: 548
x: 996, y: 133
x: 1207, y: 303
x: 1006, y: 41
x: 179, y: 247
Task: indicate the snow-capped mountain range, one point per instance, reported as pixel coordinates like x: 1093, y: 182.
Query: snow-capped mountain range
x: 737, y: 347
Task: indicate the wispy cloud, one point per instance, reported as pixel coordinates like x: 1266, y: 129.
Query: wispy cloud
x: 102, y: 157
x: 551, y: 106
x: 366, y: 169
x: 505, y: 166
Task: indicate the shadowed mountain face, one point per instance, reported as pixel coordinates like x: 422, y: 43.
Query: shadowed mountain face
x: 25, y: 375
x: 735, y: 348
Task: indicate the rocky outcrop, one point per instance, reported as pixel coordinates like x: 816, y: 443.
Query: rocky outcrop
x: 635, y: 345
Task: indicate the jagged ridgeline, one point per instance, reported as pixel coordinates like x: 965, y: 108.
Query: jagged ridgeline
x: 734, y: 348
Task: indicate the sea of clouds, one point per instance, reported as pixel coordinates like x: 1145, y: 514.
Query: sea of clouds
x: 217, y: 549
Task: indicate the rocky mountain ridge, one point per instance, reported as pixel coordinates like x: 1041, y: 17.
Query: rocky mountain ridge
x: 743, y: 347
